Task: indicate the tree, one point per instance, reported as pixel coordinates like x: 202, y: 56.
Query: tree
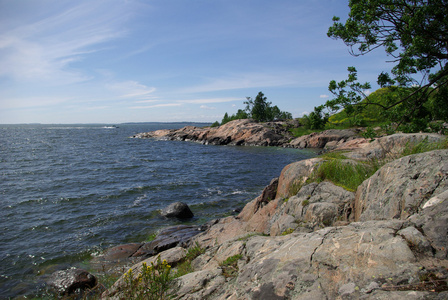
x: 261, y: 110
x: 414, y: 33
x: 316, y: 119
x: 225, y: 119
x: 258, y: 108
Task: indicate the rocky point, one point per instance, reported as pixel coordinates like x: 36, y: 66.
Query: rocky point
x: 316, y: 240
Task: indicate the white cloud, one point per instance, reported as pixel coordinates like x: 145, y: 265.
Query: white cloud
x: 157, y: 105
x: 44, y: 49
x: 133, y: 89
x: 210, y: 100
x: 260, y: 80
x: 324, y: 96
x: 207, y: 107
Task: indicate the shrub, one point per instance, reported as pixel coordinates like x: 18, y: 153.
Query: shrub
x: 152, y: 283
x: 288, y: 231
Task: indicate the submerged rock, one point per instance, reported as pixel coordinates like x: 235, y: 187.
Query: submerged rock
x: 121, y: 252
x: 167, y: 238
x: 177, y: 210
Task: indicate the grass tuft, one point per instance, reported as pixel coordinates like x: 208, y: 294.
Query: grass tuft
x: 346, y: 175
x: 230, y: 265
x: 185, y: 267
x: 424, y: 146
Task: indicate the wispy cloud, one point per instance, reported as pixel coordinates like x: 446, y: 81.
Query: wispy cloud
x: 207, y: 107
x: 254, y: 80
x: 156, y: 105
x: 210, y: 100
x: 44, y: 49
x: 133, y: 89
x: 324, y: 96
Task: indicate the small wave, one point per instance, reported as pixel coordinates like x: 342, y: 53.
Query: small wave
x: 238, y: 192
x: 138, y: 200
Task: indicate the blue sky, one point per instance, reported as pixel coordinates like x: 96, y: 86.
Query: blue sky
x: 168, y: 60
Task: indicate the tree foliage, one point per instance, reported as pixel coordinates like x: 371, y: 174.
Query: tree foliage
x: 261, y: 110
x: 241, y: 114
x: 414, y: 33
x: 315, y: 119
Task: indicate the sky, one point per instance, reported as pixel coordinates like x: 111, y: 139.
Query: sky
x: 116, y: 61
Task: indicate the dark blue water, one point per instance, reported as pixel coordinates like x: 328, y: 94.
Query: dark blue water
x: 69, y: 191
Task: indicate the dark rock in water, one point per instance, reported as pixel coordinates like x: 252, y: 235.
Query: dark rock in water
x: 177, y: 210
x: 71, y: 281
x: 169, y: 238
x: 121, y: 251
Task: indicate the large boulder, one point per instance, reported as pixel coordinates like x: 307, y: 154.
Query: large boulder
x: 368, y: 260
x: 177, y: 210
x: 316, y: 205
x: 401, y: 188
x: 71, y: 281
x: 432, y: 220
x: 389, y: 147
x: 294, y: 175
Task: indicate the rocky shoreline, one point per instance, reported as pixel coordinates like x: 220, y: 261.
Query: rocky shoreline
x: 315, y: 240
x: 246, y: 132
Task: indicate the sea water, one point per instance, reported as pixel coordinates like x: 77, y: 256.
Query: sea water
x: 68, y: 192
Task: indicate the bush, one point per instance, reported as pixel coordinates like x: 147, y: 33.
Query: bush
x: 152, y: 283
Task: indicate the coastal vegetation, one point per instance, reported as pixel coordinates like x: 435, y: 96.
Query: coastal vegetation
x: 413, y: 97
x: 152, y: 283
x: 414, y: 35
x: 258, y: 109
x: 185, y: 266
x: 230, y: 265
x: 349, y: 174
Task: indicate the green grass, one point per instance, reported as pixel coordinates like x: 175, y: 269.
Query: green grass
x: 334, y: 155
x: 185, y: 266
x: 301, y: 131
x: 151, y: 237
x: 424, y: 146
x: 249, y: 235
x: 346, y: 175
x: 230, y: 265
x: 295, y: 187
